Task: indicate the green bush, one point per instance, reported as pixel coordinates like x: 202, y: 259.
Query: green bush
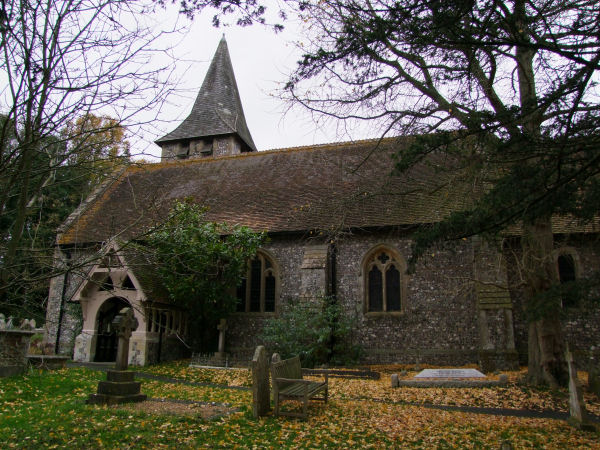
x: 318, y: 332
x: 200, y: 263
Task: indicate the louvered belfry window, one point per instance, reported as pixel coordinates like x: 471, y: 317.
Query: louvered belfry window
x: 384, y: 283
x: 258, y: 289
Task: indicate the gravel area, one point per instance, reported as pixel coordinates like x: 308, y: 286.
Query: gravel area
x: 202, y: 410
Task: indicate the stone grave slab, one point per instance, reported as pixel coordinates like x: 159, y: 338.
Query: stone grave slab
x: 450, y: 373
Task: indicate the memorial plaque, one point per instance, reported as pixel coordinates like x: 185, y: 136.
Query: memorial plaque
x: 450, y: 373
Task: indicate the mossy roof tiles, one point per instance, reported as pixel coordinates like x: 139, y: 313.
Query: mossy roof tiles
x: 307, y: 188
x: 218, y: 108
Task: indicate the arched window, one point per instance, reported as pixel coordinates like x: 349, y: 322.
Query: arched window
x: 383, y: 275
x: 567, y: 273
x: 259, y: 288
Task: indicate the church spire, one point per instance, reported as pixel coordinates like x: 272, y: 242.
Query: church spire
x: 216, y: 124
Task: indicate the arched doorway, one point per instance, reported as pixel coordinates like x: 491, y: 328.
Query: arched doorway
x: 106, y: 343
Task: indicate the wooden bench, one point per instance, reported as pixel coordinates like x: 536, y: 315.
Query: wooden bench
x: 288, y: 384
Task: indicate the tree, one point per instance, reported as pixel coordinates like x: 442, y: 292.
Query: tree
x: 97, y: 147
x: 507, y: 89
x: 72, y: 181
x: 200, y: 263
x: 62, y: 60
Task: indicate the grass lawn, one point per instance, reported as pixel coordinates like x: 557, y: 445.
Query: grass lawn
x: 47, y: 409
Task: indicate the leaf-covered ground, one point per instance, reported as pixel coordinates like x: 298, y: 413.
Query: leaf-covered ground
x: 48, y: 410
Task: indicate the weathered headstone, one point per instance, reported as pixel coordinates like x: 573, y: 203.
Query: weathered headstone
x: 120, y: 386
x: 260, y: 383
x: 395, y: 380
x: 577, y: 413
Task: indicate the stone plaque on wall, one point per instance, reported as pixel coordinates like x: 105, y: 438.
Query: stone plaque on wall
x: 313, y: 281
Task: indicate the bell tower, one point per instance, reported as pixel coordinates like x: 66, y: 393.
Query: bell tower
x: 216, y: 126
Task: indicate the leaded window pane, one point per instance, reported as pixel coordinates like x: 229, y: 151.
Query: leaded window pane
x: 269, y: 293
x: 566, y: 268
x: 392, y: 288
x: 375, y: 290
x: 255, y: 278
x: 566, y: 273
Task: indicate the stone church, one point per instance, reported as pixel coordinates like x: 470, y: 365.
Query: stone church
x: 338, y: 224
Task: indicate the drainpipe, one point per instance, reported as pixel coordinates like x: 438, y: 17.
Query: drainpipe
x: 332, y: 291
x: 332, y: 270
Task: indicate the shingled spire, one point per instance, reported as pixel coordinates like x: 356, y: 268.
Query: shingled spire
x: 216, y: 125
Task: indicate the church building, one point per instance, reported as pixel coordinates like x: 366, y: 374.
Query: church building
x: 338, y: 224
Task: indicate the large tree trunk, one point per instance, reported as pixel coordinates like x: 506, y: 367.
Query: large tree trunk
x: 546, y: 341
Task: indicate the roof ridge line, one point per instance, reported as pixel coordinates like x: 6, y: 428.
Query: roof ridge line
x: 298, y: 149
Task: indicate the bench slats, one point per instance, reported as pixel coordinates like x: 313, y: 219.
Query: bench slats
x: 288, y: 384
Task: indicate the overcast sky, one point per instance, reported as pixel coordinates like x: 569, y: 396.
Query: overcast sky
x: 261, y: 59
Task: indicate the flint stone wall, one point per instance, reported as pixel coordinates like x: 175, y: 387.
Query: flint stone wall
x: 581, y: 324
x: 439, y: 321
x: 438, y: 324
x: 71, y: 321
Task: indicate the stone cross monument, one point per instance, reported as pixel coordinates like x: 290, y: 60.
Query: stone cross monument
x: 120, y: 386
x: 124, y: 324
x: 222, y: 327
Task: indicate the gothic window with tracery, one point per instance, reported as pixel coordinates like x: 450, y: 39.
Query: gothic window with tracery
x: 258, y: 290
x: 383, y: 276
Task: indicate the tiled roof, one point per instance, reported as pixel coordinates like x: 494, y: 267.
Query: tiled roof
x: 218, y: 108
x: 339, y: 186
x: 142, y: 264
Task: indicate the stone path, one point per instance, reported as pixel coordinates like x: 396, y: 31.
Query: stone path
x: 545, y: 414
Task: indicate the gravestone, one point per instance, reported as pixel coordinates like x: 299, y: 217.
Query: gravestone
x: 578, y: 416
x: 120, y: 386
x: 450, y: 373
x: 124, y: 324
x: 260, y: 383
x: 219, y: 357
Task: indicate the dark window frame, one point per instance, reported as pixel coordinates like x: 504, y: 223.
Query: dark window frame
x: 262, y: 299
x: 387, y: 268
x: 567, y: 277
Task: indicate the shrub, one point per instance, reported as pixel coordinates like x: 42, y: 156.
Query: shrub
x: 318, y: 332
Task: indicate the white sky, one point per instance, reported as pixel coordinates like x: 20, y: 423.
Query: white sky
x: 261, y: 59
